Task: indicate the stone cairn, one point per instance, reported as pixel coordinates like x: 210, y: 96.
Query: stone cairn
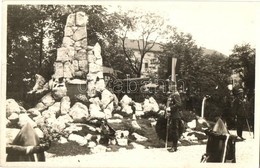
x: 78, y: 63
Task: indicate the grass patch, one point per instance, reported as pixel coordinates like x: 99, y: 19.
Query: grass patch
x: 68, y: 149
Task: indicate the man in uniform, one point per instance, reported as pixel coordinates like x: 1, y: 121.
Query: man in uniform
x: 240, y: 111
x: 173, y: 108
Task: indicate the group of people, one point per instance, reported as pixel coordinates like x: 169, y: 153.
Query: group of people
x: 238, y: 113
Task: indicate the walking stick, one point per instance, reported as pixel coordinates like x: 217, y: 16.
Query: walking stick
x: 248, y: 127
x: 167, y: 130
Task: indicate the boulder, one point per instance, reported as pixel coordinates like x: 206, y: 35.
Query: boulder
x: 81, y: 55
x: 65, y: 105
x: 68, y: 71
x: 79, y: 112
x: 118, y: 116
x: 95, y: 111
x: 81, y: 19
x: 92, y: 144
x: 108, y: 113
x: 55, y: 108
x: 111, y: 121
x: 33, y: 112
x: 150, y: 105
x: 97, y: 51
x: 58, y: 69
x: 67, y: 42
x: 65, y: 118
x: 12, y: 107
x: 192, y: 124
x: 77, y: 138
x: 127, y: 109
x: 98, y: 149
x: 62, y: 140
x: 63, y: 54
x: 68, y: 32
x: 135, y: 125
x: 58, y: 125
x: 79, y: 34
x: 125, y: 100
x: 59, y: 91
x: 48, y: 114
x: 14, y: 117
x: 39, y: 120
x: 40, y: 107
x: 48, y: 100
x: 71, y: 20
x: 139, y: 138
x: 24, y: 119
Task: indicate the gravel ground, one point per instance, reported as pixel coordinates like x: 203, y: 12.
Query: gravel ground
x: 186, y: 156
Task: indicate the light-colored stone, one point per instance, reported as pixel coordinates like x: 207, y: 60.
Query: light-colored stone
x: 79, y: 34
x: 71, y: 53
x: 92, y: 144
x: 14, y: 117
x: 77, y: 138
x: 68, y: 32
x: 126, y: 100
x: 39, y: 120
x: 83, y: 65
x: 68, y: 70
x: 81, y: 55
x: 118, y: 116
x: 127, y: 109
x: 24, y: 119
x: 48, y: 100
x: 12, y: 107
x: 192, y: 124
x: 67, y: 42
x: 72, y: 128
x: 75, y: 64
x: 62, y: 140
x: 139, y: 138
x: 59, y: 91
x: 40, y: 107
x: 91, y: 57
x: 99, y: 62
x: 58, y: 70
x: 98, y: 149
x: 100, y: 85
x: 111, y: 121
x: 135, y: 125
x: 65, y: 118
x: 55, y: 108
x: 84, y: 43
x: 95, y: 111
x: 71, y: 20
x: 94, y: 68
x: 62, y: 55
x: 108, y: 113
x: 81, y: 19
x: 79, y: 112
x: 58, y: 125
x: 65, y: 105
x: 33, y: 112
x: 48, y: 114
x: 97, y: 51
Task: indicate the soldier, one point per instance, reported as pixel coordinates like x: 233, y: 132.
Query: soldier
x: 240, y: 111
x: 173, y: 108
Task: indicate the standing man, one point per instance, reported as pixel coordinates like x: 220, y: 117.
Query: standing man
x: 240, y: 111
x: 173, y: 108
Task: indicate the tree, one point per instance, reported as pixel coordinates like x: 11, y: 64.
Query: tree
x: 242, y: 61
x: 145, y: 27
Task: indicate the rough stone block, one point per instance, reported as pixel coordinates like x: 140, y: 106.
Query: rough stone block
x: 83, y: 65
x: 97, y: 50
x: 81, y: 19
x: 68, y: 70
x: 71, y: 20
x: 62, y: 55
x: 81, y: 55
x: 91, y: 57
x: 80, y: 33
x: 58, y: 69
x: 84, y: 43
x: 75, y: 64
x: 99, y: 62
x: 67, y: 42
x: 94, y: 68
x: 68, y: 32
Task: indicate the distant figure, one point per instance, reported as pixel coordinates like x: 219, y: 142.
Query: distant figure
x: 240, y: 110
x: 174, y: 105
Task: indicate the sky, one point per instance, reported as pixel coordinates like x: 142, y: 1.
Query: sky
x: 214, y: 25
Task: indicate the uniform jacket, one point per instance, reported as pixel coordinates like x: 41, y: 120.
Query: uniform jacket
x: 174, y: 102
x: 240, y: 107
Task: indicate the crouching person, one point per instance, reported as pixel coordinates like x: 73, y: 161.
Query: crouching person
x: 26, y: 146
